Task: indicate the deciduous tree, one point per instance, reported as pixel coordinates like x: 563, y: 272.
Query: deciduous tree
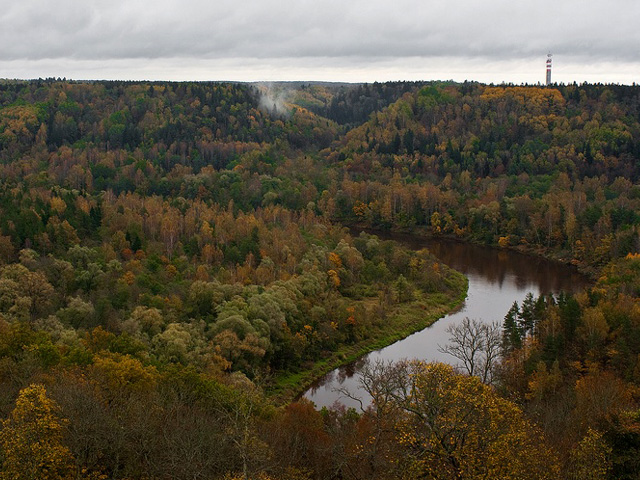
x: 32, y: 439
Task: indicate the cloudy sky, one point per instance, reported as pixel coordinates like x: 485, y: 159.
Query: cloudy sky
x: 346, y: 40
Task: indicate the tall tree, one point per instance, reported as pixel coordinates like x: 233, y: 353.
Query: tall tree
x: 31, y: 439
x: 477, y: 345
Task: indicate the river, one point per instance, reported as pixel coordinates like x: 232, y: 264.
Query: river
x: 497, y: 278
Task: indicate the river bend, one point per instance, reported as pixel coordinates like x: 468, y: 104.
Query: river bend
x: 497, y: 278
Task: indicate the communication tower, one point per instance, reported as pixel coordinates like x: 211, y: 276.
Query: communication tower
x: 549, y: 68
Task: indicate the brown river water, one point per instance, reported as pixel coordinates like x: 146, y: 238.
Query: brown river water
x: 497, y: 278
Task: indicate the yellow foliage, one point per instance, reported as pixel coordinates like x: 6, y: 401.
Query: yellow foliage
x: 206, y: 231
x: 435, y: 267
x: 83, y: 205
x: 360, y: 209
x: 31, y: 439
x: 16, y: 121
x: 202, y: 274
x: 129, y: 278
x: 58, y: 205
x: 590, y: 459
x: 335, y: 278
x: 289, y: 474
x: 457, y: 427
x: 335, y: 260
x: 536, y: 99
x: 121, y: 373
x: 543, y: 381
x: 171, y: 270
x: 436, y: 223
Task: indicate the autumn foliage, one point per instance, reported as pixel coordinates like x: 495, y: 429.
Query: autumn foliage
x: 170, y: 252
x: 31, y: 439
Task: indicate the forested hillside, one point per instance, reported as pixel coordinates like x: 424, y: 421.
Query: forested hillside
x: 175, y: 267
x: 549, y: 168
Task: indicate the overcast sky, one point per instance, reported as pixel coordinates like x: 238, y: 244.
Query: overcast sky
x: 347, y: 40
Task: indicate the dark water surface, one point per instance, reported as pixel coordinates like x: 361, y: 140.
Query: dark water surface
x: 497, y: 278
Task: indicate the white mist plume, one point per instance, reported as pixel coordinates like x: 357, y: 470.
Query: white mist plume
x: 274, y: 99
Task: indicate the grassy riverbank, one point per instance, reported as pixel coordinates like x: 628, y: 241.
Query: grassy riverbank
x: 400, y: 321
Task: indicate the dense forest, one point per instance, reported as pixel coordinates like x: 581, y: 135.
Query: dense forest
x: 175, y: 267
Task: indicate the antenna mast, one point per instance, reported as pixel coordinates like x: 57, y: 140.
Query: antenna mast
x: 549, y: 68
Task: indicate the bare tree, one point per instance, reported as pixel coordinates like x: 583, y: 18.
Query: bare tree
x: 382, y: 383
x: 241, y: 409
x: 379, y: 381
x: 476, y: 345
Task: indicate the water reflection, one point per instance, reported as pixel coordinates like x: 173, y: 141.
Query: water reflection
x: 497, y: 278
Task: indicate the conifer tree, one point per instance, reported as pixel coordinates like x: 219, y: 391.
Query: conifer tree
x: 511, y: 332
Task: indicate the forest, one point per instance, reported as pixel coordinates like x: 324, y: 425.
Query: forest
x: 178, y: 261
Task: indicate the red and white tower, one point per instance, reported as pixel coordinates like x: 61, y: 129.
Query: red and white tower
x: 549, y: 68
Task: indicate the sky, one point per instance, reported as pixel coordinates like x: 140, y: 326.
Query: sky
x: 490, y: 41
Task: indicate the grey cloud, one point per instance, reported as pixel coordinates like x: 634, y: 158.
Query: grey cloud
x: 129, y: 29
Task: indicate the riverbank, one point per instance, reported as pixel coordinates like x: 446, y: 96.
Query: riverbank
x: 562, y: 257
x: 496, y: 279
x: 401, y: 321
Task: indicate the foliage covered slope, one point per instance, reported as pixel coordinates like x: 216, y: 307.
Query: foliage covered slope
x: 162, y: 243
